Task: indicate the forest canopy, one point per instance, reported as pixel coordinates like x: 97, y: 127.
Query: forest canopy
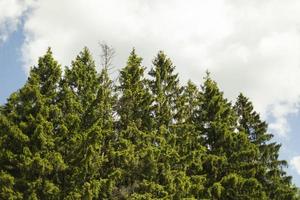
x: 73, y: 133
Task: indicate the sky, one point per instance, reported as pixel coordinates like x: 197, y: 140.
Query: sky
x: 251, y: 47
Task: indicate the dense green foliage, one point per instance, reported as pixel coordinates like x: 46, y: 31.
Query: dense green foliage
x: 77, y: 135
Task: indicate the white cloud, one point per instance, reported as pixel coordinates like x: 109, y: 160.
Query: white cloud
x: 295, y: 162
x: 251, y: 47
x: 10, y: 13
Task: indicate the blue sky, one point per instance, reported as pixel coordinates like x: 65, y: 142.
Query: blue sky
x: 290, y: 146
x: 12, y: 75
x: 252, y: 47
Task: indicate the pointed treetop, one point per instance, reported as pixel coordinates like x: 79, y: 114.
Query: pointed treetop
x: 47, y: 73
x: 132, y: 51
x: 84, y: 56
x: 207, y: 73
x: 163, y: 69
x: 49, y: 50
x: 47, y: 63
x: 162, y: 58
x: 134, y: 60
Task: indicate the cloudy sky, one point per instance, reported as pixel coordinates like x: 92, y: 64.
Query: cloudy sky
x: 249, y: 46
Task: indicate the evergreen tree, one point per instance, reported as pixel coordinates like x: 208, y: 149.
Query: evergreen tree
x: 189, y: 142
x: 270, y: 172
x: 135, y: 101
x: 86, y: 101
x: 165, y: 90
x: 228, y: 163
x: 135, y: 150
x: 187, y: 103
x: 82, y: 79
x: 29, y: 162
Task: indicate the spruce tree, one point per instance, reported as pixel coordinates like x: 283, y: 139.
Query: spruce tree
x: 189, y: 142
x: 134, y: 146
x: 165, y: 89
x: 187, y: 103
x: 135, y: 101
x: 30, y: 163
x: 270, y: 171
x: 86, y: 100
x: 228, y: 151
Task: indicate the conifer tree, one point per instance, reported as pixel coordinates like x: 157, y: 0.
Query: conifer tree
x: 165, y: 89
x: 135, y: 150
x: 187, y: 103
x: 270, y: 172
x: 229, y: 152
x: 87, y: 104
x: 135, y: 101
x: 82, y: 78
x: 189, y: 143
x: 30, y: 163
x: 105, y: 145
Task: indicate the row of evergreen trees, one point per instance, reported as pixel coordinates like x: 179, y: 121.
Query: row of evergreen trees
x: 77, y: 135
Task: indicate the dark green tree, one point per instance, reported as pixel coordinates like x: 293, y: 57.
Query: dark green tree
x: 187, y: 103
x: 229, y: 153
x: 170, y: 130
x: 270, y: 171
x: 136, y: 153
x: 87, y: 102
x: 165, y: 89
x: 30, y: 164
x: 189, y: 142
x: 134, y: 105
